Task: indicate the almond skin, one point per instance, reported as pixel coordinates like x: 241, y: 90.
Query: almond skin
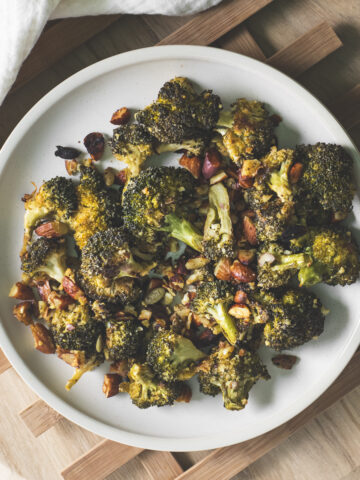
x: 24, y: 311
x: 284, y: 361
x: 21, y: 292
x: 121, y: 116
x: 240, y: 297
x: 245, y: 182
x: 42, y: 338
x: 241, y: 273
x: 295, y: 172
x: 73, y: 290
x: 222, y: 270
x: 111, y: 384
x: 249, y: 230
x: 193, y: 164
x: 52, y: 229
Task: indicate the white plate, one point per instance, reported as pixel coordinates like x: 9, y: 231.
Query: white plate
x: 84, y: 103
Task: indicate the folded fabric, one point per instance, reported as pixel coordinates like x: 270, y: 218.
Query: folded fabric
x: 21, y: 22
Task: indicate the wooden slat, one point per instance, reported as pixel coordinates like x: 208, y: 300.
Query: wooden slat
x: 226, y: 462
x: 160, y: 465
x: 210, y: 25
x: 39, y: 417
x: 59, y: 40
x: 240, y: 40
x: 4, y: 362
x: 347, y: 108
x: 306, y: 51
x: 100, y: 461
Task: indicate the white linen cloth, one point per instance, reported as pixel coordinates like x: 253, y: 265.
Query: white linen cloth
x: 21, y: 22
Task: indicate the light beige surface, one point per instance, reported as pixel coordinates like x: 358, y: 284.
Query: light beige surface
x: 328, y: 448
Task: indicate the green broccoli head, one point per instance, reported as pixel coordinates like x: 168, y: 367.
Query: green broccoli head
x: 45, y: 256
x: 213, y: 298
x: 155, y: 193
x: 146, y: 390
x: 107, y: 267
x: 247, y: 130
x: 218, y: 232
x: 123, y: 338
x: 98, y: 207
x: 334, y: 253
x: 297, y: 317
x: 179, y: 113
x: 75, y: 329
x: 327, y: 178
x: 56, y: 199
x: 172, y: 356
x: 133, y: 145
x: 232, y: 372
x: 277, y: 266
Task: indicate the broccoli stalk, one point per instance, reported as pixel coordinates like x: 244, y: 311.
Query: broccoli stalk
x: 182, y: 230
x: 225, y: 321
x: 218, y: 233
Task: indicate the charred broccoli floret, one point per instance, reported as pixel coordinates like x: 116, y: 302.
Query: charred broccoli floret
x: 276, y: 266
x: 297, y: 318
x: 152, y: 196
x: 247, y: 130
x: 218, y: 232
x: 56, y: 199
x: 146, y: 390
x: 172, y: 356
x: 123, y: 338
x: 79, y: 339
x: 45, y: 256
x: 334, y: 253
x: 278, y: 164
x: 213, y: 299
x: 327, y: 178
x: 133, y: 145
x: 232, y: 372
x: 107, y: 267
x: 98, y: 207
x: 181, y: 116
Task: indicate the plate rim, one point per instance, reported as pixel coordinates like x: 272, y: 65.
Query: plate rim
x: 146, y: 55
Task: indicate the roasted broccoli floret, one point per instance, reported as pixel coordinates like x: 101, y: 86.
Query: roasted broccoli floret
x: 276, y: 266
x: 123, y: 338
x: 152, y: 196
x: 232, y: 372
x: 180, y: 114
x: 146, y: 390
x: 213, y: 299
x: 247, y: 130
x: 133, y: 145
x: 334, y: 253
x: 98, y: 207
x: 218, y: 232
x: 327, y: 178
x: 172, y: 356
x: 78, y: 338
x: 297, y: 317
x: 56, y: 200
x: 107, y: 267
x: 45, y: 256
x: 278, y: 164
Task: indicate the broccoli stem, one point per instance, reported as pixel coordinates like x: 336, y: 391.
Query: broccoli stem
x: 219, y: 200
x: 225, y: 321
x: 296, y: 260
x: 226, y: 119
x: 182, y: 230
x: 312, y: 275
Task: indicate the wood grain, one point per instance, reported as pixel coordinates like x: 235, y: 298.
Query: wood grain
x: 57, y: 41
x: 4, y: 362
x: 306, y: 51
x: 347, y: 108
x: 240, y: 40
x: 160, y: 465
x: 100, y: 461
x: 39, y: 417
x: 224, y: 463
x: 210, y: 25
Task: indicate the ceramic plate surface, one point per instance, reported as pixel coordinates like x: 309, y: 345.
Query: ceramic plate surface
x: 84, y: 103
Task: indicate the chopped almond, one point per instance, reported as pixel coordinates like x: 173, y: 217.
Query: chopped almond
x: 295, y: 172
x: 240, y: 310
x: 52, y: 229
x: 24, y: 312
x: 111, y: 384
x: 73, y: 290
x: 284, y: 361
x: 42, y: 338
x: 249, y: 230
x: 193, y: 164
x: 222, y: 270
x: 242, y: 273
x: 20, y: 291
x: 121, y: 116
